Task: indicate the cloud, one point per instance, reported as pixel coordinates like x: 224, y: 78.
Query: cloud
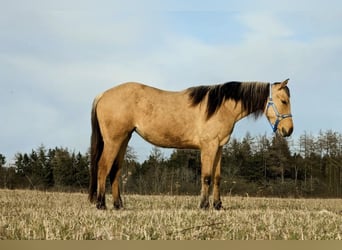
x: 264, y: 26
x: 55, y: 60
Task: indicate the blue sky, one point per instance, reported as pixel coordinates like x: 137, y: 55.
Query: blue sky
x: 56, y: 56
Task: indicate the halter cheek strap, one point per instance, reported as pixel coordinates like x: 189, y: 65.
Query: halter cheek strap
x: 279, y: 116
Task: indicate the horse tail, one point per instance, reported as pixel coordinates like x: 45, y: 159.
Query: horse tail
x: 96, y: 149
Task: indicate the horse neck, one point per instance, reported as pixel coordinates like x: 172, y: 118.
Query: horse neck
x: 239, y: 112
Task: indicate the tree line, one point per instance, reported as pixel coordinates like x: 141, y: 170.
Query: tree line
x: 259, y: 166
x: 43, y: 168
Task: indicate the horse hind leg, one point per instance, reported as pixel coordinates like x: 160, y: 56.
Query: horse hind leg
x: 114, y: 182
x: 115, y: 175
x: 108, y: 156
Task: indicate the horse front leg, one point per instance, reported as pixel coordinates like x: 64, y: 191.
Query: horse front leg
x: 208, y: 157
x: 217, y: 180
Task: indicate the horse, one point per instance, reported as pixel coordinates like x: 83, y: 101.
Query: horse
x: 201, y: 117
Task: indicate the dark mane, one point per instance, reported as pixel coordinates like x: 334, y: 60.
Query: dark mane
x: 253, y: 96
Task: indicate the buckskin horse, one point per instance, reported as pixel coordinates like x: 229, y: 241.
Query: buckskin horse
x: 201, y: 117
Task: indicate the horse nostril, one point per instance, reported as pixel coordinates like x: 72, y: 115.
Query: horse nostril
x: 287, y: 133
x: 290, y: 131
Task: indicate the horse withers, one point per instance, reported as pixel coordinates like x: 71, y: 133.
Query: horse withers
x: 201, y: 117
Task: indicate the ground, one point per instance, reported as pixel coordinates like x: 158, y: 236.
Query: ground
x: 53, y: 215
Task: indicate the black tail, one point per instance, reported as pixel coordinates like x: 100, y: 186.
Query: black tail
x: 96, y: 149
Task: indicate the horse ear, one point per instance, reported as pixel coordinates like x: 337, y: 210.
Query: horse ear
x: 284, y: 83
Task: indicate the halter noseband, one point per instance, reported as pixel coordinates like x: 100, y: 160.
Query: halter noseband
x: 278, y: 115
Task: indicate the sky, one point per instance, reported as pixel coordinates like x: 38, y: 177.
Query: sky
x: 56, y: 56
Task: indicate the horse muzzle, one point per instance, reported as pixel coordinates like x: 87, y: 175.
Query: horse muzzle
x: 286, y: 132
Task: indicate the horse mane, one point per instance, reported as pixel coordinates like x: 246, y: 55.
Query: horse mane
x: 253, y: 96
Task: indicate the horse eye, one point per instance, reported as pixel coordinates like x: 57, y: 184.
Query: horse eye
x: 283, y: 102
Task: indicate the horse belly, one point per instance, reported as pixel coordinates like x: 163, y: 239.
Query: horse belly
x: 167, y: 138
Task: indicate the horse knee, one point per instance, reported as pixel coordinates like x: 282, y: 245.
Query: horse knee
x: 207, y: 180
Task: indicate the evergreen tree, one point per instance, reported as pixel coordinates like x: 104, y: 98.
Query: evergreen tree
x: 24, y: 170
x: 184, y: 171
x: 63, y: 168
x: 279, y: 158
x: 81, y: 171
x: 2, y: 171
x: 2, y: 160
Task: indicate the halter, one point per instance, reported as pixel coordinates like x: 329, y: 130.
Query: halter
x: 279, y: 116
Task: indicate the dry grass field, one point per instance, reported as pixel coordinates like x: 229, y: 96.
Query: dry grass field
x: 52, y: 215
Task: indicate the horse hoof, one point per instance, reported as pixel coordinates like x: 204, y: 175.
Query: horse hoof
x: 218, y: 205
x: 204, y: 205
x: 118, y: 206
x: 101, y: 206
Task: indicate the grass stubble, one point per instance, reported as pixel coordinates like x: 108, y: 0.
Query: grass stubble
x: 69, y: 216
